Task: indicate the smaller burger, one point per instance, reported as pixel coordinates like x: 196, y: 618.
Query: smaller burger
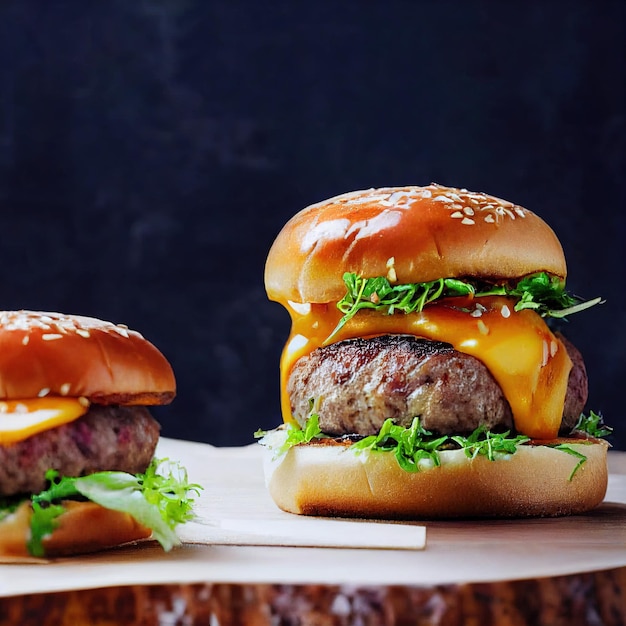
x: 77, y: 441
x: 424, y: 376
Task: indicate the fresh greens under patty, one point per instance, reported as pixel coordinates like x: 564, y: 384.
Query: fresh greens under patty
x: 541, y: 292
x: 593, y: 424
x: 294, y: 435
x: 159, y: 499
x: 413, y: 445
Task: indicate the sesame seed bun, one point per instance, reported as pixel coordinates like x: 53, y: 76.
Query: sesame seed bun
x: 425, y: 233
x: 48, y: 356
x: 53, y: 354
x: 417, y: 235
x: 331, y: 480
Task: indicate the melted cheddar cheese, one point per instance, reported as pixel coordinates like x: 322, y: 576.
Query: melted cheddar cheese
x: 529, y: 363
x: 20, y: 419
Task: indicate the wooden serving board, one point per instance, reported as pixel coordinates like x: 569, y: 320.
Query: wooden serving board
x: 242, y: 538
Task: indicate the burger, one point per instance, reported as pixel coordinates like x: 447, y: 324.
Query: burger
x: 425, y: 375
x: 77, y: 440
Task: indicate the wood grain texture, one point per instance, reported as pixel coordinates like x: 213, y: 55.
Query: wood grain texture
x: 592, y: 598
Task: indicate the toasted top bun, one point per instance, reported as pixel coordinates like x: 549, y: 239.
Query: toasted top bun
x: 53, y: 354
x: 423, y: 233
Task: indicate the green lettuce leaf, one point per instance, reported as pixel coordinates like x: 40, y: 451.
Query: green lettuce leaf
x: 160, y: 499
x: 43, y: 523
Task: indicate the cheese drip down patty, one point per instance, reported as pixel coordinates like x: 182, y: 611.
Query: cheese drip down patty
x: 104, y: 438
x: 515, y: 350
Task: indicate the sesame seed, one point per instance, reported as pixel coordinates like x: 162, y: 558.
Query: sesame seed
x: 545, y: 352
x: 482, y: 328
x: 25, y: 340
x: 400, y: 198
x: 303, y: 308
x: 392, y: 277
x: 467, y: 220
x: 554, y: 346
x: 83, y: 401
x: 476, y: 313
x: 4, y: 407
x: 43, y: 392
x: 391, y: 261
x: 51, y: 336
x: 82, y: 332
x: 64, y: 389
x: 21, y: 408
x: 457, y: 214
x: 505, y: 311
x: 490, y: 208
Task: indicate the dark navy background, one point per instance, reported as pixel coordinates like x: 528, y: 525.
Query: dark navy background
x: 151, y: 150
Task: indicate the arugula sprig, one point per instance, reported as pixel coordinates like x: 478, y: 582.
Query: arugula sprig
x: 486, y: 443
x: 413, y: 445
x: 293, y: 434
x: 540, y: 292
x: 160, y: 498
x: 379, y: 294
x: 545, y: 294
x: 563, y: 447
x: 593, y: 424
x: 409, y: 445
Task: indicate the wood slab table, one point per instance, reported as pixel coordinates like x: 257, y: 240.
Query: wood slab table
x: 542, y: 571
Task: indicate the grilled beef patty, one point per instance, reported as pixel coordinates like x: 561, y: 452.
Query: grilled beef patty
x: 359, y: 383
x: 112, y: 437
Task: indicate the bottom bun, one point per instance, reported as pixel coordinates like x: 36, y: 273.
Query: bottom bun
x: 83, y: 527
x: 333, y: 480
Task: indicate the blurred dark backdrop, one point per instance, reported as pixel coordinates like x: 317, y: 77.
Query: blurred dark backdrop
x: 150, y: 150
